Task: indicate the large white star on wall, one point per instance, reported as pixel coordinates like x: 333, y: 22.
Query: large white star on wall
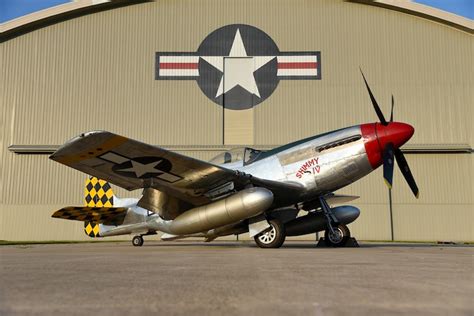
x: 239, y: 68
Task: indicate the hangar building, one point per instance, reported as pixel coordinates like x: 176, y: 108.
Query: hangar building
x: 147, y: 70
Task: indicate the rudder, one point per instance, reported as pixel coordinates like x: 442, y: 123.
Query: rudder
x: 97, y: 193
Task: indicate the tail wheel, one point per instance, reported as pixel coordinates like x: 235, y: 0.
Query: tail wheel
x: 339, y: 237
x: 137, y: 241
x: 272, y: 238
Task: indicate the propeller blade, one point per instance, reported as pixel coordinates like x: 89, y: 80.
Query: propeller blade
x: 391, y: 111
x: 388, y: 164
x: 374, y: 102
x: 403, y: 165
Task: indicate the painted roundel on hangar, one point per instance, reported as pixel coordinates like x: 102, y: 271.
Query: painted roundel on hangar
x: 238, y: 66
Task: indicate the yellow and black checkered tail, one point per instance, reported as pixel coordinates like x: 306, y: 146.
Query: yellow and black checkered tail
x: 97, y: 193
x: 92, y: 229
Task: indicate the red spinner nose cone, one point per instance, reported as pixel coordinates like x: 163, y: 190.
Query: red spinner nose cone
x: 377, y: 136
x: 399, y: 133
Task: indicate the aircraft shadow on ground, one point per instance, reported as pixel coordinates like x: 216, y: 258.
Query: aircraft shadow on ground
x: 297, y: 245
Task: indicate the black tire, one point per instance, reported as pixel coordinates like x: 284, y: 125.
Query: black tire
x: 272, y: 238
x: 334, y: 241
x: 137, y: 241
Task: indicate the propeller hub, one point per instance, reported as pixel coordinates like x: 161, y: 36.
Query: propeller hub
x: 376, y: 136
x: 395, y: 132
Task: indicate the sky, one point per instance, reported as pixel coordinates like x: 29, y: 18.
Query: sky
x: 464, y: 8
x: 11, y: 9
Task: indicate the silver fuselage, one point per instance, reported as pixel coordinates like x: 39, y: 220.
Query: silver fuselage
x: 318, y: 171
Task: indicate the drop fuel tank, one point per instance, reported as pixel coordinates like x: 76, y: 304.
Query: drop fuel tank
x: 315, y: 222
x: 239, y: 206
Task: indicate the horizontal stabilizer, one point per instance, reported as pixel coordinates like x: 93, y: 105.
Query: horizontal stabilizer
x: 102, y: 215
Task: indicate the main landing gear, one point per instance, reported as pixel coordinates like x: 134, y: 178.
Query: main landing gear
x: 336, y: 234
x: 337, y: 237
x: 273, y: 237
x: 137, y: 241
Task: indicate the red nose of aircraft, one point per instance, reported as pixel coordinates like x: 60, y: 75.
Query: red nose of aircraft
x: 376, y: 136
x: 395, y: 133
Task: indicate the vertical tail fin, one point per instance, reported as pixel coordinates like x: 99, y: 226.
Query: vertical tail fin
x: 97, y: 193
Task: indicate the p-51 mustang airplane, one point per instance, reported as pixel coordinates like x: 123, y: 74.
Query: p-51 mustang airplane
x: 244, y: 190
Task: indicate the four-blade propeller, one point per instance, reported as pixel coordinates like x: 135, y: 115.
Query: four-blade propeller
x: 390, y: 151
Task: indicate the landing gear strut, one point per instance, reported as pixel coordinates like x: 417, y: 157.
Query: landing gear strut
x: 137, y: 241
x: 336, y: 234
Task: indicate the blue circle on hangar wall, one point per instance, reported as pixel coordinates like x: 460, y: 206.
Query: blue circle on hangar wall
x: 248, y: 75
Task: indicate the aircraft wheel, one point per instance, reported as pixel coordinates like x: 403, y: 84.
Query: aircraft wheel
x: 272, y: 238
x: 339, y: 239
x: 137, y: 241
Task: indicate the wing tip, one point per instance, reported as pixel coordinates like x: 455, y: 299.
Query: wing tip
x: 80, y: 148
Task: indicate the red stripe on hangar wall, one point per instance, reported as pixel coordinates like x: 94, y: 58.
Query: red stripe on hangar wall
x: 293, y: 65
x: 178, y: 66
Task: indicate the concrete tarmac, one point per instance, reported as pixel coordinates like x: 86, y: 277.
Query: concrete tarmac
x: 231, y: 278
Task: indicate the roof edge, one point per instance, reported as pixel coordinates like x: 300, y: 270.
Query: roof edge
x: 423, y: 11
x: 59, y: 13
x: 56, y: 14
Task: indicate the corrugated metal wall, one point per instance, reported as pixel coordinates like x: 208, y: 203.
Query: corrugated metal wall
x: 97, y: 72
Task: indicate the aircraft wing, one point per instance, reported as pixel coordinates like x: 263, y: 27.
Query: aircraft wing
x: 132, y: 165
x: 335, y: 199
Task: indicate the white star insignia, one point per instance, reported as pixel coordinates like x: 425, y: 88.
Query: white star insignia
x: 140, y: 169
x: 239, y: 68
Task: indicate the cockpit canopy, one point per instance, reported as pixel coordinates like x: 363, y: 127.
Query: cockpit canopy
x: 245, y: 154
